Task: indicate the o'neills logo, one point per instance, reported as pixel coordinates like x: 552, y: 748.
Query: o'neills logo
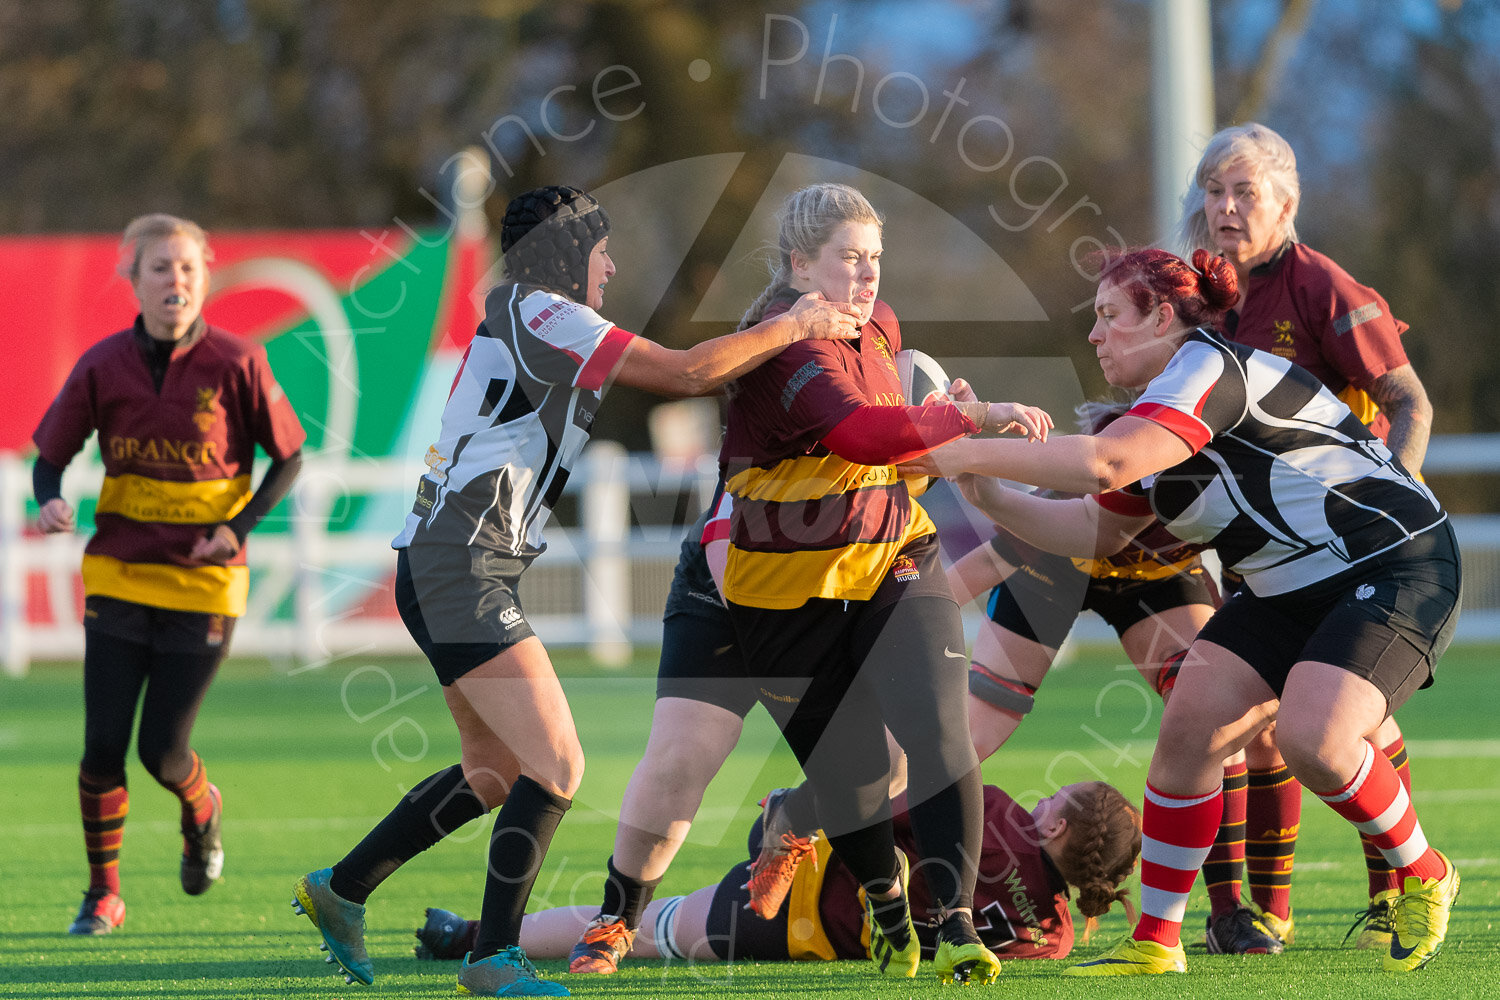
x: 123, y: 449
x: 205, y: 415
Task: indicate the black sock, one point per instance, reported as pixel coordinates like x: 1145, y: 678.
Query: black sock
x: 626, y: 897
x: 431, y: 811
x: 800, y: 807
x: 958, y: 928
x: 524, y: 826
x: 890, y: 914
x: 869, y: 855
x: 948, y: 828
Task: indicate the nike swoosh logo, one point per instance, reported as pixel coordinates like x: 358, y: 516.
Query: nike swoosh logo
x: 1399, y: 953
x: 952, y: 655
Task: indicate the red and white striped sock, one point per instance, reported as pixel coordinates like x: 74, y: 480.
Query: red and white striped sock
x: 1176, y: 836
x: 1382, y: 876
x: 1376, y: 802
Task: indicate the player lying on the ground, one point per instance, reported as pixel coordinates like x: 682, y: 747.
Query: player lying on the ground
x: 1087, y: 836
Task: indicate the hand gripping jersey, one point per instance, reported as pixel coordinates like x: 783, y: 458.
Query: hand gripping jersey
x: 1303, y: 307
x: 176, y: 462
x: 1020, y: 898
x: 521, y: 409
x: 807, y: 523
x: 1285, y: 482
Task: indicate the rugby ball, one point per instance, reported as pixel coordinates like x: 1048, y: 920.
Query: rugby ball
x: 921, y: 376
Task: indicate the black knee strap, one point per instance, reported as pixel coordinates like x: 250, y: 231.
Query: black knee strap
x: 1166, y: 677
x: 992, y: 692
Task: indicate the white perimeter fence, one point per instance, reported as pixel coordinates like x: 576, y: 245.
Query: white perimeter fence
x: 320, y: 589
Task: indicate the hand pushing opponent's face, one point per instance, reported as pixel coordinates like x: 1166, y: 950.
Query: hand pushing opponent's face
x: 846, y: 269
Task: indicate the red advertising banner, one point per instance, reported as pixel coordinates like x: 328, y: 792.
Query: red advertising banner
x: 63, y: 293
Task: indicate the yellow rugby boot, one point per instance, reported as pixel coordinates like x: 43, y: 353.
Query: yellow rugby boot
x: 1420, y: 920
x: 1133, y: 958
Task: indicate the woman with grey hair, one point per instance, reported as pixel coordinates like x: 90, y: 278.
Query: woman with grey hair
x: 1298, y: 304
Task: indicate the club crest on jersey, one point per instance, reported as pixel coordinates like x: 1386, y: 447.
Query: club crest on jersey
x: 206, y: 414
x: 904, y: 569
x: 883, y: 346
x: 1285, y: 345
x: 1364, y: 592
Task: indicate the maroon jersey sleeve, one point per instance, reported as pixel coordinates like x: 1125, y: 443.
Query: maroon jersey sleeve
x: 888, y: 435
x: 813, y: 389
x: 789, y: 403
x: 1356, y: 333
x: 71, y: 417
x: 274, y: 422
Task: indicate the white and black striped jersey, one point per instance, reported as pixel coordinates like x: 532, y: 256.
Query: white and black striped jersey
x: 520, y: 410
x: 1285, y: 482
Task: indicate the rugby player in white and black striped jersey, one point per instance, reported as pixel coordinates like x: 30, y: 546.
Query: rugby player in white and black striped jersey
x: 1350, y: 565
x: 520, y: 410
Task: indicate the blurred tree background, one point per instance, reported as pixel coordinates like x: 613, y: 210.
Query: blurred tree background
x: 338, y: 113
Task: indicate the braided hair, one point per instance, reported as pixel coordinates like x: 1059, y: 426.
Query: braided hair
x: 806, y: 222
x: 547, y: 236
x: 1102, y: 851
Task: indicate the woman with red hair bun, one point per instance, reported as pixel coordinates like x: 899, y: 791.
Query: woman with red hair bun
x: 1301, y: 305
x: 1350, y: 567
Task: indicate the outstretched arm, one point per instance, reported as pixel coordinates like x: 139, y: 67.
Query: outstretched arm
x: 1127, y: 450
x: 701, y: 369
x: 1068, y: 527
x: 888, y: 435
x: 977, y: 572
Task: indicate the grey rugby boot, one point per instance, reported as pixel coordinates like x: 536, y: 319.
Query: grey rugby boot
x: 507, y: 973
x: 341, y: 923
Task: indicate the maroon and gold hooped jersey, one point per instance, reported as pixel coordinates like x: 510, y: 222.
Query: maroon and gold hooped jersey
x: 807, y: 523
x: 176, y: 462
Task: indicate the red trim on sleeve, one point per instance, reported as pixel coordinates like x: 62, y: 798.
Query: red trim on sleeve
x: 888, y: 435
x: 602, y: 362
x: 461, y: 362
x: 1123, y: 503
x: 716, y: 528
x: 717, y: 525
x: 1189, y: 427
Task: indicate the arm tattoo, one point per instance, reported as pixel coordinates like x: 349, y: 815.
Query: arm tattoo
x: 1400, y: 395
